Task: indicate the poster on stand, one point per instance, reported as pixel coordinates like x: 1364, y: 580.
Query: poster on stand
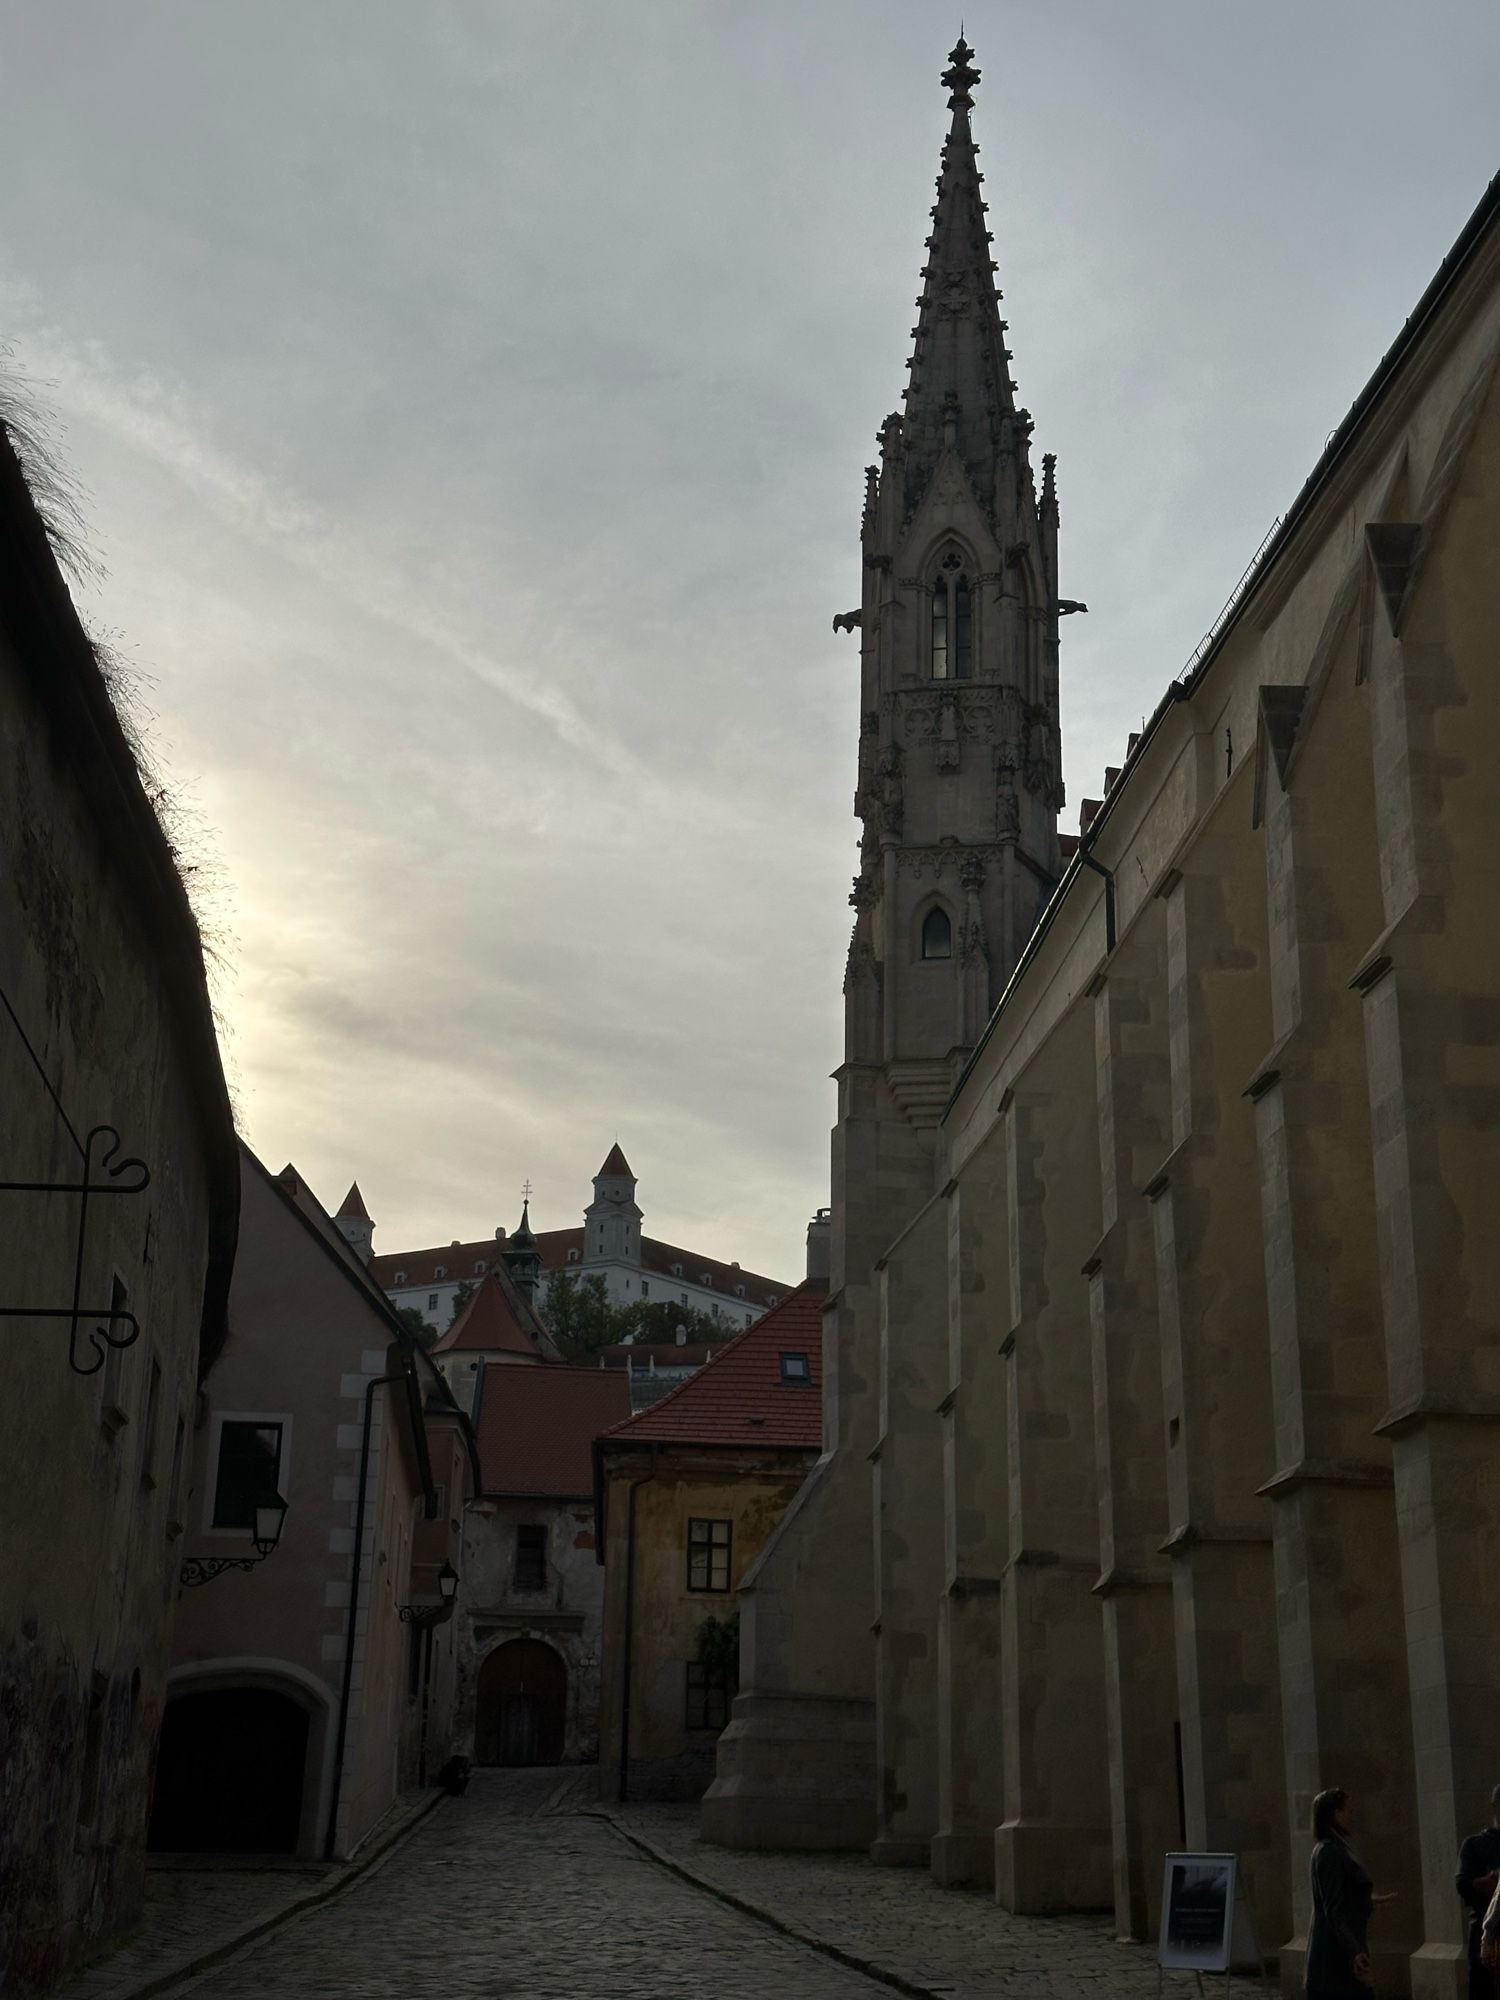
x: 1197, y: 1913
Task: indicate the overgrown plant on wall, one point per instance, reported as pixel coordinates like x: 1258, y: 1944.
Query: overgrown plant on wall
x: 719, y: 1647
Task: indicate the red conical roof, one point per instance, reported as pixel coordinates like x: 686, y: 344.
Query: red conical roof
x: 616, y: 1167
x: 496, y: 1319
x: 353, y: 1205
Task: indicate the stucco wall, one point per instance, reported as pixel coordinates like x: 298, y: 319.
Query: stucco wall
x: 753, y: 1492
x: 303, y: 1346
x: 567, y: 1614
x: 88, y: 1511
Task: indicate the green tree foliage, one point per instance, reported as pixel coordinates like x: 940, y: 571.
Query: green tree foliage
x: 420, y: 1329
x: 582, y: 1317
x: 659, y: 1319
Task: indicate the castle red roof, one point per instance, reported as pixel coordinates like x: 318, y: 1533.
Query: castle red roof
x: 616, y: 1167
x: 497, y: 1320
x: 414, y: 1269
x: 537, y: 1426
x: 353, y: 1205
x: 739, y: 1397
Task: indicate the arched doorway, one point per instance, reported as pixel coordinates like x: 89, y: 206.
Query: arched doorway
x: 522, y: 1706
x: 229, y: 1773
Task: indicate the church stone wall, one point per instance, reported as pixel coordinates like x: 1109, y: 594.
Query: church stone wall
x: 1294, y: 1338
x: 1171, y: 1336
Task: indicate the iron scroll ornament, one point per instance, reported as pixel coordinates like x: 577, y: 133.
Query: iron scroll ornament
x: 105, y: 1171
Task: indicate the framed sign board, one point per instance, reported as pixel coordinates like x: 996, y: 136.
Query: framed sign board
x: 1197, y: 1913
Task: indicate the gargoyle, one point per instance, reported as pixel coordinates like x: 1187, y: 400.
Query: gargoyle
x: 848, y: 621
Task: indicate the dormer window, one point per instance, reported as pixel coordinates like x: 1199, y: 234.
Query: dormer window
x: 399, y: 1278
x: 480, y: 1267
x: 937, y: 934
x: 952, y: 625
x: 572, y: 1256
x: 441, y: 1271
x: 739, y: 1291
x: 676, y: 1270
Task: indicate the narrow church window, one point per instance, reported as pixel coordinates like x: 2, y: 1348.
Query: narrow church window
x: 940, y: 629
x: 937, y: 935
x: 952, y: 622
x: 961, y: 630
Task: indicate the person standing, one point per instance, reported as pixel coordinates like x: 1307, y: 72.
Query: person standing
x: 1338, y: 1938
x: 1477, y: 1879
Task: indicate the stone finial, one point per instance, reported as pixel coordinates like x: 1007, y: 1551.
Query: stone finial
x: 1049, y: 482
x: 961, y: 78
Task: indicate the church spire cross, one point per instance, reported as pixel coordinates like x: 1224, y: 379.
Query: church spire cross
x: 961, y: 78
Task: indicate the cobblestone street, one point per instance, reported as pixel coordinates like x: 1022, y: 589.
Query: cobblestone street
x: 524, y: 1888
x: 494, y: 1895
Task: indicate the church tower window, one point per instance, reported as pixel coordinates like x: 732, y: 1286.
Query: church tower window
x: 952, y: 622
x: 937, y: 935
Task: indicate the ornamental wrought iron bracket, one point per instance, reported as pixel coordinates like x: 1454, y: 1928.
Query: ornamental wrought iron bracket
x: 426, y: 1614
x: 103, y: 1170
x: 203, y: 1569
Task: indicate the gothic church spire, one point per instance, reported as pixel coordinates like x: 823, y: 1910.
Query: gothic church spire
x: 960, y: 390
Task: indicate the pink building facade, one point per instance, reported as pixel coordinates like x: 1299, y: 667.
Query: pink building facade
x: 301, y: 1701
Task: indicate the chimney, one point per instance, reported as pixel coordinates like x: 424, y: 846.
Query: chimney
x: 819, y: 1244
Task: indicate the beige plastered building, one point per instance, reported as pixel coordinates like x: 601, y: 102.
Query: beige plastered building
x: 1161, y: 1361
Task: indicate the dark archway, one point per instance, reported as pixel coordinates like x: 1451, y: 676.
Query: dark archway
x: 522, y: 1705
x: 229, y: 1773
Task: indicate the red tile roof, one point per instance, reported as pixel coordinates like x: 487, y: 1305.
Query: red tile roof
x: 353, y: 1205
x: 498, y: 1319
x: 537, y: 1427
x: 739, y: 1397
x: 616, y: 1167
x: 419, y: 1267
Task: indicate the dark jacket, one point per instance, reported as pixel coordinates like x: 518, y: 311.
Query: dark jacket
x: 1342, y: 1894
x: 1479, y: 1855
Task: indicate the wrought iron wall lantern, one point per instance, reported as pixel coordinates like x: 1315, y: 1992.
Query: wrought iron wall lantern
x: 269, y: 1515
x: 102, y: 1170
x: 442, y: 1611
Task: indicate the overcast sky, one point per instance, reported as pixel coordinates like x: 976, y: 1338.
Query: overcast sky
x: 472, y: 402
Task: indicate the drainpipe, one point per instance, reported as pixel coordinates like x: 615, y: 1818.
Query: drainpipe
x: 342, y: 1738
x: 1109, y: 894
x: 635, y: 1486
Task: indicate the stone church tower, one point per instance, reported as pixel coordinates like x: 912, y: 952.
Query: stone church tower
x: 959, y: 788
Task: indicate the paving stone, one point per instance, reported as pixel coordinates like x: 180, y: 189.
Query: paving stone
x: 959, y: 1943
x: 525, y: 1890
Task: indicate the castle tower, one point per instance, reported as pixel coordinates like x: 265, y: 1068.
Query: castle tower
x: 354, y: 1225
x: 959, y: 788
x: 612, y: 1221
x: 523, y: 1258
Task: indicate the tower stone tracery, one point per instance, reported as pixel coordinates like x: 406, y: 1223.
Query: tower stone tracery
x: 958, y: 789
x: 959, y: 771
